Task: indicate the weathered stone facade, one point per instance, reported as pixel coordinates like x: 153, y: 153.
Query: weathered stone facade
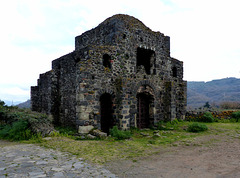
x: 120, y: 73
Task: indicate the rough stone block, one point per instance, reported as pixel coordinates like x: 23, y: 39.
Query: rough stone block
x: 99, y: 134
x: 85, y: 129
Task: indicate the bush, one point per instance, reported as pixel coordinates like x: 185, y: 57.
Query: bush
x: 207, y: 117
x: 197, y: 127
x: 120, y: 134
x: 236, y: 115
x: 22, y: 124
x: 18, y: 131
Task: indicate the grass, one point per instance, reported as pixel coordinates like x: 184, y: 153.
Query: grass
x: 142, y: 142
x: 197, y: 127
x: 139, y: 143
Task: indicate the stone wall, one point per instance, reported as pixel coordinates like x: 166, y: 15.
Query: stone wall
x: 120, y: 57
x: 41, y: 94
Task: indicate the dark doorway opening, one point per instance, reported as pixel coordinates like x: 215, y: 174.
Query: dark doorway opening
x: 146, y: 58
x: 107, y: 61
x: 106, y: 111
x: 174, y: 70
x: 145, y: 110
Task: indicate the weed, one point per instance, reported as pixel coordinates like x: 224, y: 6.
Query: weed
x: 152, y: 141
x: 207, y: 117
x: 54, y: 134
x: 120, y: 134
x: 197, y: 127
x: 161, y: 126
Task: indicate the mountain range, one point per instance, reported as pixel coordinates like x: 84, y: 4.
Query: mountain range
x: 214, y: 92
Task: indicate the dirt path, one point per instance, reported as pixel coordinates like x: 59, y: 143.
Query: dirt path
x: 206, y: 156
x: 209, y: 156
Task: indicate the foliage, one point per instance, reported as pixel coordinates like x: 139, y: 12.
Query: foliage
x: 66, y: 131
x: 170, y: 125
x: 161, y: 126
x: 119, y: 134
x: 22, y: 124
x: 207, y: 117
x: 197, y: 127
x: 142, y: 143
x: 17, y: 131
x: 236, y: 115
x: 2, y: 103
x: 219, y: 116
x: 207, y: 105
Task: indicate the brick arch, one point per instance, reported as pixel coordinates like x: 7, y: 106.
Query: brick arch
x: 142, y: 83
x: 103, y: 91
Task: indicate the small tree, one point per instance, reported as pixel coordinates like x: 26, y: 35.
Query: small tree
x: 2, y: 103
x: 207, y: 105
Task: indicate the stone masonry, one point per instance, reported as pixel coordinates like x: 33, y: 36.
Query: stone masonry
x: 120, y: 73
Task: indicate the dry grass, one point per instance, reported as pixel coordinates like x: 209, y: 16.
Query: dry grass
x: 102, y: 151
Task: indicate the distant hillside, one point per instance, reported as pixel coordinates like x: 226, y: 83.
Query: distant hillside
x: 216, y: 91
x: 26, y: 104
x: 11, y: 103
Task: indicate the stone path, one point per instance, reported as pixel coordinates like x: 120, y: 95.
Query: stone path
x: 27, y: 160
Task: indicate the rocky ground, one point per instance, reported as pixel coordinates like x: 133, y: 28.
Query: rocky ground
x: 28, y: 160
x: 206, y: 156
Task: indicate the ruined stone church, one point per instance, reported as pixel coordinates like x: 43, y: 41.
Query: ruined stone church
x: 120, y: 73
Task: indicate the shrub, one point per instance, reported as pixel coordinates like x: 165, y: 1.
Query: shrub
x: 20, y: 124
x: 197, y: 127
x: 207, y: 117
x: 236, y: 115
x: 120, y: 134
x: 4, y: 130
x: 18, y: 131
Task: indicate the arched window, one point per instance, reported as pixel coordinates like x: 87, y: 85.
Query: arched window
x: 107, y: 61
x: 174, y: 71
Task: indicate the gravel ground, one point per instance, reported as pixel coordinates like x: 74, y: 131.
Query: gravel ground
x: 210, y: 156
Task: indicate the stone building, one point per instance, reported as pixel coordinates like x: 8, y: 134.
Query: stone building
x: 120, y: 73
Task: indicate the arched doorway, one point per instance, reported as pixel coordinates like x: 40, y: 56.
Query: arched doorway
x: 145, y: 107
x: 106, y: 112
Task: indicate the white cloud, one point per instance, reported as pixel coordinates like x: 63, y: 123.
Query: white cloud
x: 14, y: 93
x: 204, y: 34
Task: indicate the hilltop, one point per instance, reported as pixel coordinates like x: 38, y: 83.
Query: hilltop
x: 214, y: 92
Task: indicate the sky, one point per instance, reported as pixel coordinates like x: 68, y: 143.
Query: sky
x: 205, y: 35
